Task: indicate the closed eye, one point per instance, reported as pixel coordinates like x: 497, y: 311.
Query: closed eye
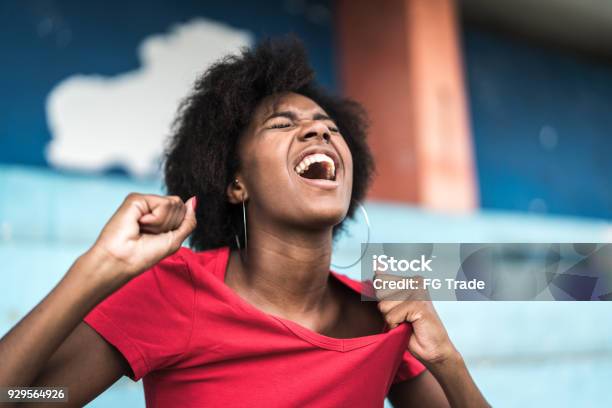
x: 279, y: 125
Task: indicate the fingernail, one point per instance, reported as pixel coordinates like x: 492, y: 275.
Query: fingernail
x: 194, y: 203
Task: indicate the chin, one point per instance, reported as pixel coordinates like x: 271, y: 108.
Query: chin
x: 328, y: 216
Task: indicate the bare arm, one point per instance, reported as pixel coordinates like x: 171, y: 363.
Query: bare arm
x: 422, y: 391
x: 51, y: 345
x: 84, y: 363
x: 444, y: 384
x: 29, y: 345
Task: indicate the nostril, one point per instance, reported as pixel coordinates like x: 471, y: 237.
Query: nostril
x: 323, y: 135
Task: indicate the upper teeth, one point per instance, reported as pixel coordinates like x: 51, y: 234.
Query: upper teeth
x: 316, y: 158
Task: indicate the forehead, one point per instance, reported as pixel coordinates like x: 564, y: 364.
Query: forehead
x: 300, y: 104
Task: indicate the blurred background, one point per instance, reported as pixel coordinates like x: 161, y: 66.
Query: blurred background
x: 491, y: 122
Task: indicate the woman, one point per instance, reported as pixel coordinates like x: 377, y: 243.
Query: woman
x: 250, y: 315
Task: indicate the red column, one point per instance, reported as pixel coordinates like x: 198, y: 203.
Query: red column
x: 401, y: 59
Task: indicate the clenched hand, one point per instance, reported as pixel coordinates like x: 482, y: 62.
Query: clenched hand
x: 145, y: 229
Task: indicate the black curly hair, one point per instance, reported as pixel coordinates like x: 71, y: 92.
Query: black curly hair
x: 201, y: 157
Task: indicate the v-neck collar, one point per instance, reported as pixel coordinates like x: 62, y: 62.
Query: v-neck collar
x: 315, y: 338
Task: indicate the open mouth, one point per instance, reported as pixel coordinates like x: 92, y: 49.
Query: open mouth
x: 317, y: 166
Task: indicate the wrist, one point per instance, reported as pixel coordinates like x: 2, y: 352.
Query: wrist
x: 452, y: 374
x: 100, y: 269
x: 449, y: 359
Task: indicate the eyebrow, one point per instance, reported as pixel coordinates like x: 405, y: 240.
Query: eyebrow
x: 291, y: 115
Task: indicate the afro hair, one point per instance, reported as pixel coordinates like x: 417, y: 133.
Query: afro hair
x: 201, y: 156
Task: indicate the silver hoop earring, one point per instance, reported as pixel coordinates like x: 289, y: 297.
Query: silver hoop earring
x: 365, y: 249
x: 244, y: 224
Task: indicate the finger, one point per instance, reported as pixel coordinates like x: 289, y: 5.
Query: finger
x: 187, y: 225
x: 404, y: 312
x: 394, y: 317
x: 152, y: 223
x: 164, y: 215
x: 148, y: 229
x: 386, y: 305
x: 148, y: 219
x: 384, y: 280
x: 134, y: 206
x: 394, y: 294
x: 178, y: 214
x: 414, y: 288
x: 404, y: 295
x: 153, y: 213
x: 166, y: 211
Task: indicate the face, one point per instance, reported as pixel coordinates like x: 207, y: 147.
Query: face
x: 296, y: 168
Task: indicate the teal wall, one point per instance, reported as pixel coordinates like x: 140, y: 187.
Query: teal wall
x: 522, y: 354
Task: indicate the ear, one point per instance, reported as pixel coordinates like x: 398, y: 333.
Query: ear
x: 236, y: 192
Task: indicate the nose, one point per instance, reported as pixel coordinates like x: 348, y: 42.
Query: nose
x: 316, y: 129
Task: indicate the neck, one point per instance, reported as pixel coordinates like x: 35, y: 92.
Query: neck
x: 285, y: 270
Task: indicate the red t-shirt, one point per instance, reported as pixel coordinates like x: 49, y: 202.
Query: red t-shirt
x: 197, y: 343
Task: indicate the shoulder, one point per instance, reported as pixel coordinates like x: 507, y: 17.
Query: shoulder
x: 363, y: 288
x: 187, y: 256
x: 177, y: 273
x: 198, y: 263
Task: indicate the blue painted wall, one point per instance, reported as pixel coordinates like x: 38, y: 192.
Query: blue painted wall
x: 542, y: 123
x: 44, y: 42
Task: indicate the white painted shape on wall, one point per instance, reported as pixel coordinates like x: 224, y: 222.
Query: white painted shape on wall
x: 97, y: 122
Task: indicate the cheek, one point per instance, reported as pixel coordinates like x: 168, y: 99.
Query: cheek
x: 271, y: 157
x: 265, y: 165
x: 347, y: 160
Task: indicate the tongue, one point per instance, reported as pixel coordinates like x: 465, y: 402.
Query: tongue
x: 316, y: 171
